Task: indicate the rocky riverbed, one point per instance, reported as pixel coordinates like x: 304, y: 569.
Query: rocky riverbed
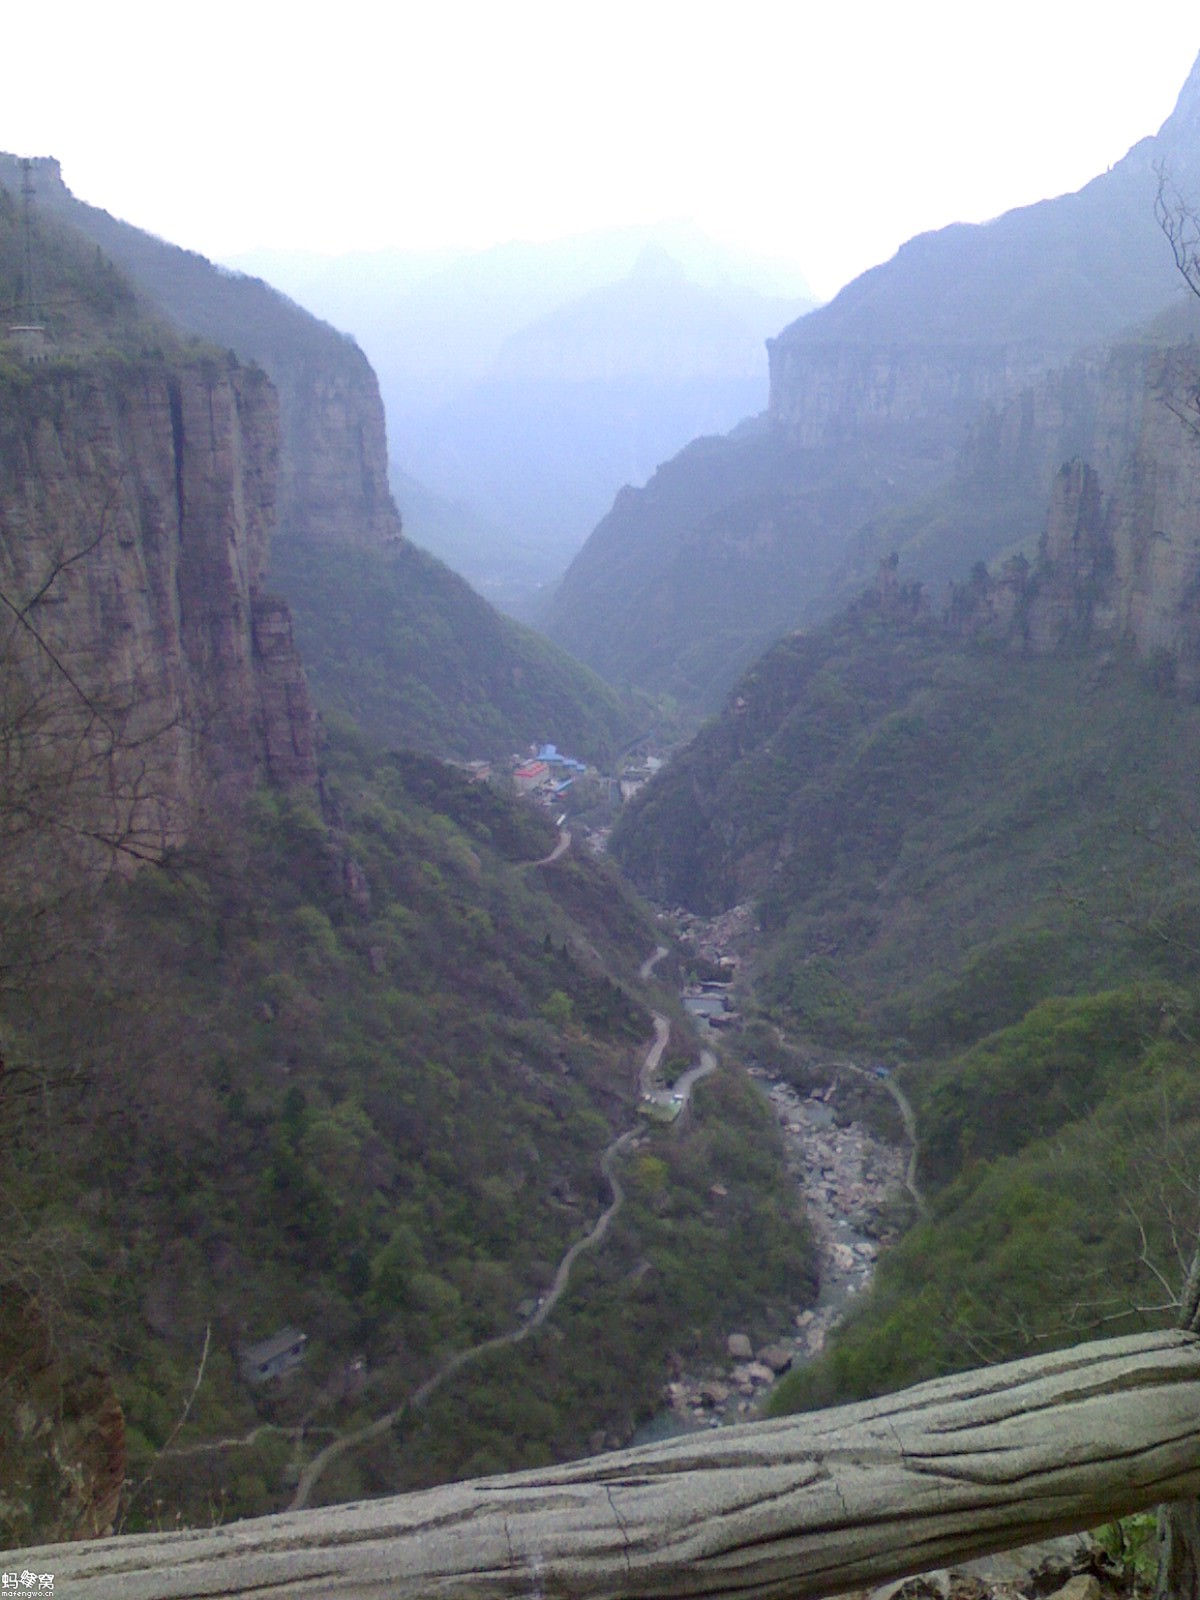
x: 848, y: 1179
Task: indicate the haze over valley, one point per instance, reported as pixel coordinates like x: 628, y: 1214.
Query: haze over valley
x: 526, y: 384
x: 591, y: 849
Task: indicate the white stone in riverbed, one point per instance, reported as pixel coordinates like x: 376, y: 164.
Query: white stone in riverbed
x: 713, y: 1393
x: 739, y: 1347
x: 776, y: 1357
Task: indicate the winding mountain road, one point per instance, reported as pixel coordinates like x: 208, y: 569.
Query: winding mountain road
x: 562, y: 1277
x: 560, y: 849
x: 909, y: 1118
x: 648, y: 966
x: 685, y: 1084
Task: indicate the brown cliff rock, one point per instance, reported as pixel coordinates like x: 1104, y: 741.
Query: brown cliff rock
x: 62, y: 1434
x: 333, y: 474
x: 827, y: 392
x: 1119, y: 558
x: 136, y: 504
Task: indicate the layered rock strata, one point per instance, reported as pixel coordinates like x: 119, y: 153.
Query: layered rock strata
x: 1119, y: 560
x: 136, y: 504
x: 333, y: 476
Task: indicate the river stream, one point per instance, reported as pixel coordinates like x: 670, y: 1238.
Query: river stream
x: 847, y: 1178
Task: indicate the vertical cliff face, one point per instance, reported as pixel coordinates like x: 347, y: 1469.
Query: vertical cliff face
x: 957, y: 317
x: 1119, y: 559
x: 831, y: 393
x: 1121, y: 554
x: 136, y: 503
x: 333, y: 478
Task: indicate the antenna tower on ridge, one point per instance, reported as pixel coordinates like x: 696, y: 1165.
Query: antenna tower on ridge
x: 29, y: 299
x: 29, y: 335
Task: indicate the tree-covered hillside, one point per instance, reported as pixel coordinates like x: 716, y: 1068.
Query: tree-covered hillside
x: 355, y: 1077
x: 405, y: 647
x: 1059, y: 1161
x: 343, y: 1058
x: 937, y: 833
x: 980, y: 867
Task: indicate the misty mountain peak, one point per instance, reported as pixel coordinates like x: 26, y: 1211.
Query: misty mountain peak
x: 1181, y: 131
x: 658, y: 265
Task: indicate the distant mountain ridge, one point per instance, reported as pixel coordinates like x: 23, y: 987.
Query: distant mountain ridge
x: 871, y: 402
x: 594, y: 395
x: 434, y: 322
x: 525, y: 384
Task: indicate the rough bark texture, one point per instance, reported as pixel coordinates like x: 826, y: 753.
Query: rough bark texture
x: 1178, y: 1545
x: 802, y: 1507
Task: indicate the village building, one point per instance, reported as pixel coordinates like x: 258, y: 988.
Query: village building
x: 533, y: 775
x: 271, y: 1358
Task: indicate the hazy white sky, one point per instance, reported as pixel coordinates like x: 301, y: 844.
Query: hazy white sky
x: 823, y: 138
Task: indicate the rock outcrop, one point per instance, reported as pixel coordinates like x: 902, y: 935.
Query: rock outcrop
x: 389, y: 636
x: 872, y: 398
x: 1119, y: 560
x: 333, y: 480
x: 136, y: 505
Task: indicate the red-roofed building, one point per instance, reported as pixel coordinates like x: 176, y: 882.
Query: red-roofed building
x: 531, y: 776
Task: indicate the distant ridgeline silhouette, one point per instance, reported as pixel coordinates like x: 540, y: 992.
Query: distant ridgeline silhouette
x: 879, y: 433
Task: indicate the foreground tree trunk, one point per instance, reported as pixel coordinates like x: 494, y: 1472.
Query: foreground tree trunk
x: 1179, y: 1521
x: 1178, y: 1545
x: 798, y: 1508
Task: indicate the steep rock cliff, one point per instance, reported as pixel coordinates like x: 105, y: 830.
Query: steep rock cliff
x: 1119, y: 559
x: 136, y: 503
x: 338, y: 543
x: 333, y: 463
x: 872, y: 400
x: 825, y: 393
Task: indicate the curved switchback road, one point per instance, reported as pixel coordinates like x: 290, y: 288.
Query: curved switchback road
x: 560, y: 849
x: 648, y: 966
x: 907, y: 1115
x: 909, y: 1118
x: 562, y: 1277
x: 662, y: 1032
x: 683, y: 1085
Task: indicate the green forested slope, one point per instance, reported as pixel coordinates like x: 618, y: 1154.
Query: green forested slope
x: 982, y: 867
x: 1061, y: 1161
x: 398, y: 642
x: 938, y: 834
x: 356, y: 1077
x: 346, y: 1061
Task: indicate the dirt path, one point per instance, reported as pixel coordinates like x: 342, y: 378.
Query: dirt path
x: 648, y: 966
x: 909, y: 1118
x: 560, y: 849
x: 683, y: 1085
x: 562, y: 1278
x: 662, y: 1032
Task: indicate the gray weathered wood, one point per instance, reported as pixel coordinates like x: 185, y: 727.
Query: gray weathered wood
x: 800, y: 1507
